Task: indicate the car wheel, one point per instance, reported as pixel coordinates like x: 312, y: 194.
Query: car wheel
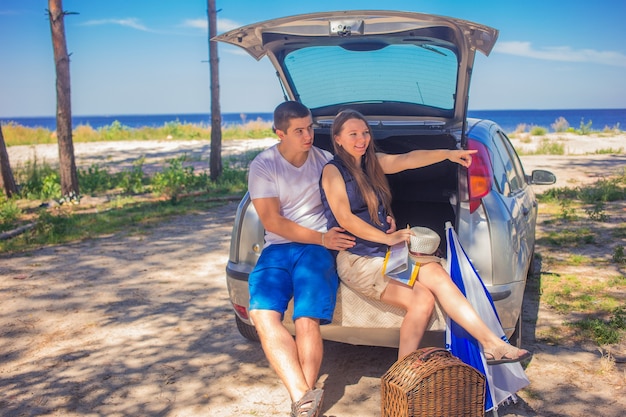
x: 516, y: 337
x: 246, y: 330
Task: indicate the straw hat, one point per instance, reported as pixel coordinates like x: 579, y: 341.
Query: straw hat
x: 424, y: 243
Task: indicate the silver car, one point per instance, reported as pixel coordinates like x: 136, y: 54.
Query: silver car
x: 409, y: 74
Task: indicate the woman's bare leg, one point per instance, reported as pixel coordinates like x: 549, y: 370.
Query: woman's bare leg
x: 438, y: 281
x: 419, y: 303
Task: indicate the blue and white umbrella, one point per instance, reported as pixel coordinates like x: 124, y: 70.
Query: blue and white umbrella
x: 503, y: 380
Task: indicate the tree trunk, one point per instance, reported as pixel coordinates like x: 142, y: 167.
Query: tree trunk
x: 67, y: 163
x: 216, y: 113
x: 6, y: 179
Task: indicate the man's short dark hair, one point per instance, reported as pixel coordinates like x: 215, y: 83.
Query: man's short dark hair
x: 286, y: 111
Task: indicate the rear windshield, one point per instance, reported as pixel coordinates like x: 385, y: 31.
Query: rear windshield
x: 416, y: 74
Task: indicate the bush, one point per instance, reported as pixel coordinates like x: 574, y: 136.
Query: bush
x: 15, y: 134
x: 94, y: 179
x: 584, y: 129
x: 85, y: 133
x: 546, y: 147
x: 174, y: 179
x: 133, y: 181
x: 9, y: 213
x: 538, y: 131
x: 50, y: 187
x: 560, y: 125
x: 37, y: 181
x: 521, y: 128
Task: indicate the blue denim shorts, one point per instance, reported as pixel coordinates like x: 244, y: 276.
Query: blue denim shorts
x: 302, y: 271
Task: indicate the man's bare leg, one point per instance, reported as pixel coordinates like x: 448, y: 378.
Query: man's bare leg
x: 310, y: 348
x: 281, y: 351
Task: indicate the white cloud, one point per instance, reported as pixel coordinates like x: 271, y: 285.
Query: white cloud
x: 129, y: 22
x: 223, y: 25
x: 561, y: 53
x: 195, y: 23
x: 235, y: 50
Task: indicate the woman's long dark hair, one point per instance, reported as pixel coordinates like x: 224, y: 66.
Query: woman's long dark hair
x: 370, y: 178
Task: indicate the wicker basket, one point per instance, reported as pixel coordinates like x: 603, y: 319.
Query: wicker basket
x: 430, y: 382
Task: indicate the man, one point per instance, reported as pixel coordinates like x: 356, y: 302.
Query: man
x: 296, y: 261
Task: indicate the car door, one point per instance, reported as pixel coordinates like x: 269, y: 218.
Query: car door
x: 519, y: 199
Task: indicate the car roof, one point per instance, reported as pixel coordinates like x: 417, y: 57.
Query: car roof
x: 369, y: 30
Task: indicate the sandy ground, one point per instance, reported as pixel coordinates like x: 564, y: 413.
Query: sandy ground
x: 141, y: 325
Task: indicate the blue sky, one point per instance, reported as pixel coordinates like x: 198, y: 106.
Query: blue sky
x: 146, y: 56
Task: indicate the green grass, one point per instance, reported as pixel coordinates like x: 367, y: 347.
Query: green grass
x: 129, y: 200
x: 127, y: 215
x: 568, y: 237
x: 545, y: 147
x: 609, y: 151
x: 608, y: 189
x: 604, y: 331
x: 15, y: 134
x: 569, y: 293
x: 594, y: 305
x: 9, y: 213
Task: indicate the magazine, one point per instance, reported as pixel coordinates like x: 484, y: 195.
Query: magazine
x: 399, y: 266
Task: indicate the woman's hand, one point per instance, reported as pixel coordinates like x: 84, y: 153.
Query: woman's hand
x: 402, y: 235
x: 462, y: 157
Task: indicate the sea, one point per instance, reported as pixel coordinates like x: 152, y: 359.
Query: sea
x: 509, y: 120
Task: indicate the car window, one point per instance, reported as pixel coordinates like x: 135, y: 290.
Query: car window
x: 517, y: 164
x: 515, y: 178
x: 499, y: 172
x: 510, y: 175
x: 407, y: 73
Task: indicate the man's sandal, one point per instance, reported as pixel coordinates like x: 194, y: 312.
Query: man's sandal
x: 309, y: 405
x: 506, y: 354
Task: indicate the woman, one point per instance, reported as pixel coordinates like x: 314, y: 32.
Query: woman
x: 356, y: 197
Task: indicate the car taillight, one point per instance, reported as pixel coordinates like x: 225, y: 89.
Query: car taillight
x: 241, y: 310
x: 479, y: 174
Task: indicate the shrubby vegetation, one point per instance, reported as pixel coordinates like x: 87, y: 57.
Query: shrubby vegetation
x: 124, y: 198
x: 561, y: 125
x: 538, y: 131
x: 15, y: 134
x: 580, y: 217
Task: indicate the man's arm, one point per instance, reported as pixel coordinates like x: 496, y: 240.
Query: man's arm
x: 268, y: 210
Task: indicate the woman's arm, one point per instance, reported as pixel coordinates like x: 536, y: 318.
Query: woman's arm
x: 392, y: 164
x: 337, y: 196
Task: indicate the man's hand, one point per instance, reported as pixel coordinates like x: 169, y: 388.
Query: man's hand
x: 337, y: 239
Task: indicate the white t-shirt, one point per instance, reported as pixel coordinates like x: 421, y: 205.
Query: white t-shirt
x: 297, y: 188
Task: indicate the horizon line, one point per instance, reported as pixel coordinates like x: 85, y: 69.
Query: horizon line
x: 271, y: 111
